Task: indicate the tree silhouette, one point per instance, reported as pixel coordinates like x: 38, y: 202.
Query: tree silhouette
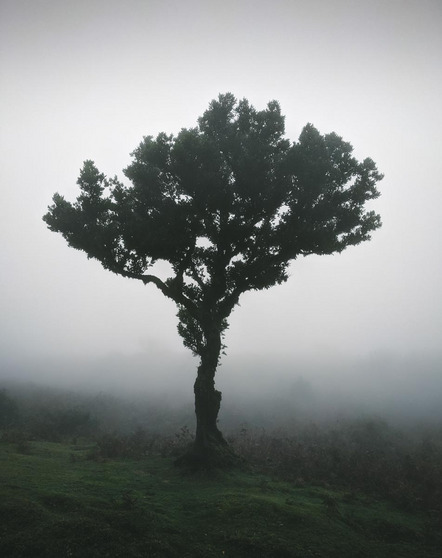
x: 228, y: 204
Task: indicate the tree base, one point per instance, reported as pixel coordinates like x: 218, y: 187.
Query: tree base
x: 208, y: 458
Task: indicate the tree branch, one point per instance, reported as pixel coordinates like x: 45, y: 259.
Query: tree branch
x: 177, y: 297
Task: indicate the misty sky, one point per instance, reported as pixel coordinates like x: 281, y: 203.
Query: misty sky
x: 88, y: 79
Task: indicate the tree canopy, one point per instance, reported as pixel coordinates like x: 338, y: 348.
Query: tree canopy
x: 228, y: 204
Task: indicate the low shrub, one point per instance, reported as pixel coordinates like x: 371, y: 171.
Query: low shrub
x: 367, y: 456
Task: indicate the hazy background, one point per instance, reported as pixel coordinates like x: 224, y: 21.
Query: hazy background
x: 88, y: 79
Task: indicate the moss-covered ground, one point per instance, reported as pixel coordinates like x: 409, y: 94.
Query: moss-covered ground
x: 57, y: 501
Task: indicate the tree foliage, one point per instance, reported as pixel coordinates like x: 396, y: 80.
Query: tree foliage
x: 229, y: 204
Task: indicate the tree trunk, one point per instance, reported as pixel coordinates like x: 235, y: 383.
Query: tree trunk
x: 209, y: 449
x: 207, y: 405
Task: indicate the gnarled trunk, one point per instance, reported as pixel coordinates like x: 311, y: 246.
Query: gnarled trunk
x: 209, y: 448
x: 207, y: 405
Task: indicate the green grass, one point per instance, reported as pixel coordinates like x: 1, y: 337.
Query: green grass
x: 55, y: 502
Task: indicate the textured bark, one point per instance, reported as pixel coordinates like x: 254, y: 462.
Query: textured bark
x: 207, y: 405
x: 209, y: 449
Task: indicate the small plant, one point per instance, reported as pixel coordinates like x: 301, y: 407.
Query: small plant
x: 331, y: 507
x: 24, y: 447
x: 129, y: 499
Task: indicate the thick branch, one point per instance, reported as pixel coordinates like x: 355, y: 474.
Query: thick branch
x: 175, y: 295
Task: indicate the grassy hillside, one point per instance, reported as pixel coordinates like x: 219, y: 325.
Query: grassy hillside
x: 61, y: 500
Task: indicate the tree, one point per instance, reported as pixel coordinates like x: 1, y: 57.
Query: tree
x: 228, y: 204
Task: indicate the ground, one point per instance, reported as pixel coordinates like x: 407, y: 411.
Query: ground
x: 59, y: 499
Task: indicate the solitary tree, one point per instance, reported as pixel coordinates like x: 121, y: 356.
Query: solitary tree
x: 228, y: 204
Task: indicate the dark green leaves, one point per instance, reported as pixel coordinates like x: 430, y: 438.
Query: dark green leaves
x: 227, y: 204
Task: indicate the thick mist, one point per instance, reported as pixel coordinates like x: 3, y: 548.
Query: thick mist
x: 265, y: 392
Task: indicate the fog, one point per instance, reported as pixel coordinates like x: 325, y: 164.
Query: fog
x: 269, y: 393
x: 358, y: 332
